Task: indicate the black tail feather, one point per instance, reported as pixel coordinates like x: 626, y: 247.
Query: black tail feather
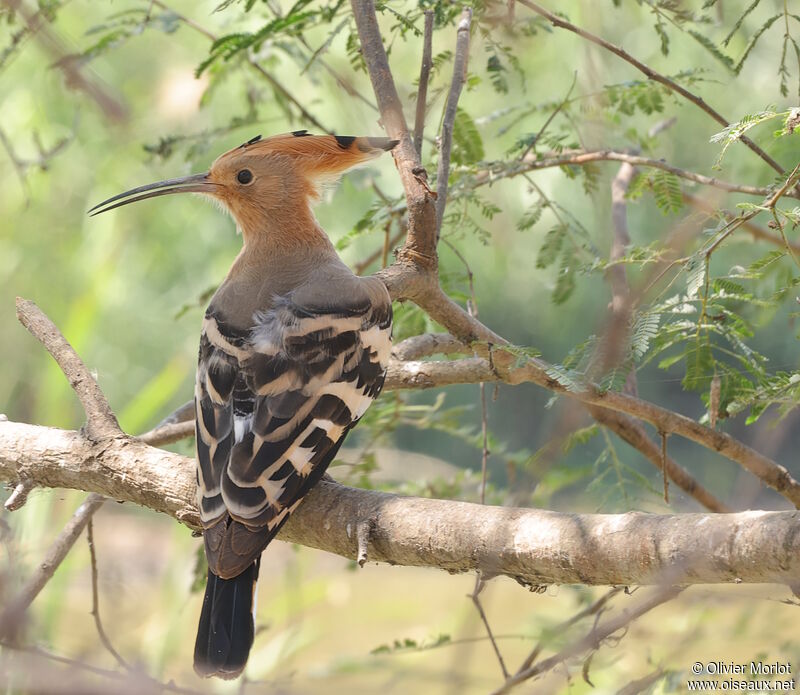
x: 226, y: 629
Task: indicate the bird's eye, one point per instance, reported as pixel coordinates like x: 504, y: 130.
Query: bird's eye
x: 245, y: 176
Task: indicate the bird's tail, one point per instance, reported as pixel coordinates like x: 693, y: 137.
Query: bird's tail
x: 226, y: 629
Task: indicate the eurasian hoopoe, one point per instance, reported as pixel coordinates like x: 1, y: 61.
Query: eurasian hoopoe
x: 293, y: 350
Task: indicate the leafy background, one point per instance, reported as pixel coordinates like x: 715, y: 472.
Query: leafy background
x: 128, y: 290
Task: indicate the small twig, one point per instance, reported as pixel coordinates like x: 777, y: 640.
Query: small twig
x: 556, y: 111
x: 168, y: 434
x: 424, y: 75
x: 485, y: 440
x: 664, y: 465
x: 459, y: 77
x: 753, y: 229
x: 769, y: 204
x: 642, y: 684
x: 15, y: 609
x: 594, y: 638
x: 378, y: 253
x: 178, y: 425
x: 183, y: 413
x: 475, y: 596
x: 595, y: 608
x: 100, y: 420
x: 387, y: 243
x: 286, y: 94
x: 112, y: 108
x: 343, y: 83
x: 19, y: 496
x: 106, y: 673
x: 17, y: 163
x: 363, y: 531
x: 557, y: 21
x: 503, y: 170
x: 632, y: 432
x: 96, y: 600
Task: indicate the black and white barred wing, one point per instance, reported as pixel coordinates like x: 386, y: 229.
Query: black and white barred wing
x: 312, y: 371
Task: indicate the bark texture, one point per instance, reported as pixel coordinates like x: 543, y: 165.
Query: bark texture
x: 531, y: 546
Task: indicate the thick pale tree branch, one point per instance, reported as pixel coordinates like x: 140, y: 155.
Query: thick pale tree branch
x: 427, y: 344
x: 531, y: 546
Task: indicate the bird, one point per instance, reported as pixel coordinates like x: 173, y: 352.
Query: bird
x: 294, y: 348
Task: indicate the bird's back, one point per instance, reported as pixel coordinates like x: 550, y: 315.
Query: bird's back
x: 276, y: 394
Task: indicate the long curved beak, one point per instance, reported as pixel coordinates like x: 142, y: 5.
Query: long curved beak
x: 196, y: 183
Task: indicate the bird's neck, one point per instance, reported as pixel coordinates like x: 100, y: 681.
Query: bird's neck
x: 281, y: 232
x: 279, y: 241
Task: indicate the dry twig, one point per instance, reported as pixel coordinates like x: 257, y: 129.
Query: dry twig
x: 424, y: 75
x: 451, y: 107
x: 96, y: 599
x: 594, y: 639
x: 15, y: 609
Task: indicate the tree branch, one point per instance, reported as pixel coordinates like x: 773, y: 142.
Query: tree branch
x: 505, y: 365
x: 531, y: 546
x: 650, y: 73
x: 415, y: 281
x: 419, y: 252
x: 502, y: 170
x: 422, y: 89
x: 100, y: 420
x: 451, y: 107
x: 635, y: 435
x: 753, y: 229
x: 101, y: 632
x: 594, y: 638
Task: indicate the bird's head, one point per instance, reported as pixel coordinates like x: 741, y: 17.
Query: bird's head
x: 273, y: 179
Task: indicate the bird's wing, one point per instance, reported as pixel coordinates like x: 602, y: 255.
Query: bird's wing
x: 274, y: 405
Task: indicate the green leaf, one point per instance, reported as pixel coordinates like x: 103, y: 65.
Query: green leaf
x: 699, y: 366
x: 565, y: 280
x: 733, y: 132
x: 739, y: 21
x: 532, y: 216
x: 754, y: 40
x: 467, y: 142
x: 712, y: 48
x: 568, y: 378
x: 551, y: 246
x: 667, y: 191
x: 496, y: 70
x: 644, y: 330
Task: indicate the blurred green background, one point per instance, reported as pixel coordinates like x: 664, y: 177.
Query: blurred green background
x: 127, y: 289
